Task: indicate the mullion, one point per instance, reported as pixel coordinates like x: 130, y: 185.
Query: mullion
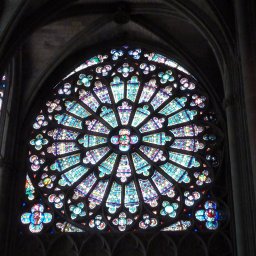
x: 73, y: 115
x: 148, y: 144
x: 142, y: 82
x: 184, y: 123
x: 147, y: 119
x: 75, y: 184
x: 171, y: 98
x: 98, y: 134
x: 153, y: 96
x: 90, y: 171
x: 111, y: 179
x: 163, y: 129
x: 176, y: 112
x: 166, y: 117
x: 57, y: 125
x: 96, y: 116
x: 113, y: 103
x: 125, y: 80
x: 136, y: 182
x: 181, y: 151
x: 54, y: 158
x: 156, y: 166
x: 94, y: 94
x: 89, y: 148
x: 96, y: 165
x: 103, y: 158
x: 150, y: 177
x: 134, y: 108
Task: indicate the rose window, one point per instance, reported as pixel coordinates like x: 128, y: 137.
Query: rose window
x: 127, y: 141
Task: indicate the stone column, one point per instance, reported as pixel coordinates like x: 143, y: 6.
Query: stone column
x: 241, y: 113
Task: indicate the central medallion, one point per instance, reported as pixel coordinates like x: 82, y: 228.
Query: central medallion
x: 124, y: 139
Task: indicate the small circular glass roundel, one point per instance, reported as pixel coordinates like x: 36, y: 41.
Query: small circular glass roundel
x: 127, y: 141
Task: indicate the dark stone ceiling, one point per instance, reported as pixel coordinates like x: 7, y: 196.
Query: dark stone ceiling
x: 47, y: 39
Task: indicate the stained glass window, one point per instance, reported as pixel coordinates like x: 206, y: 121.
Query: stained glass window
x: 127, y: 141
x: 2, y: 90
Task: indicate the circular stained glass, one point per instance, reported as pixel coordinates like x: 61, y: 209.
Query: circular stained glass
x: 127, y: 141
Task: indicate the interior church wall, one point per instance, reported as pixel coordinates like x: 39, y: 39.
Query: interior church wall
x: 214, y: 39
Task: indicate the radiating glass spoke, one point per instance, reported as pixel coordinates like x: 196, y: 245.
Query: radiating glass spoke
x: 152, y: 125
x: 84, y: 187
x: 95, y: 198
x: 102, y: 92
x: 173, y: 106
x: 94, y: 156
x: 140, y: 115
x: 69, y: 121
x: 132, y: 88
x: 187, y: 144
x: 149, y: 194
x: 124, y: 112
x: 114, y: 198
x: 89, y: 100
x: 187, y: 131
x: 153, y: 154
x: 60, y: 148
x: 140, y: 164
x: 91, y: 140
x: 162, y: 95
x: 164, y: 186
x: 76, y: 109
x: 156, y: 138
x: 182, y: 117
x: 131, y: 199
x: 183, y: 159
x: 61, y: 164
x: 73, y: 175
x: 176, y: 173
x: 63, y: 134
x: 148, y: 90
x: 109, y: 116
x: 106, y: 167
x: 117, y: 87
x: 97, y: 126
x: 124, y: 169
